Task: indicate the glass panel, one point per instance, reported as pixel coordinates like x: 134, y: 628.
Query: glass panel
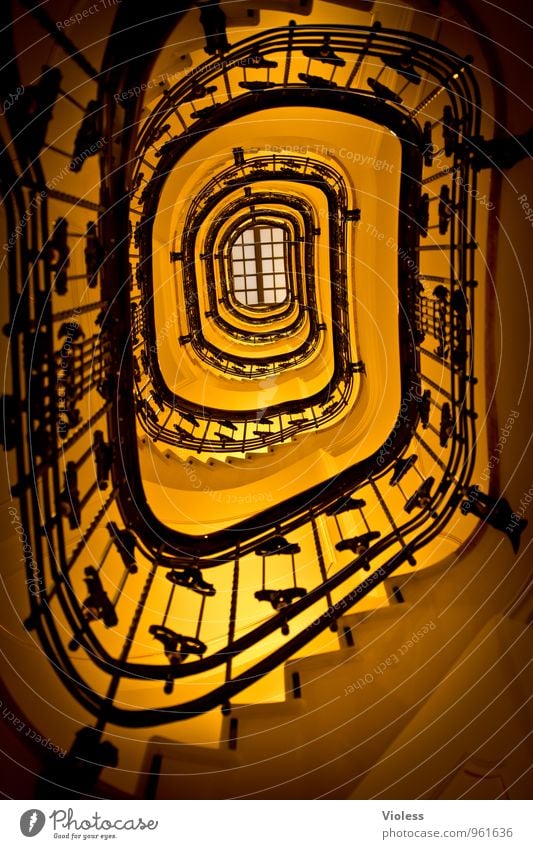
x: 261, y: 280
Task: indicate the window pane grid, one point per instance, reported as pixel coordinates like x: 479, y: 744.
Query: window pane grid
x: 258, y: 266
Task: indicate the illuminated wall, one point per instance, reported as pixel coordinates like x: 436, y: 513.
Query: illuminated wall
x: 254, y: 558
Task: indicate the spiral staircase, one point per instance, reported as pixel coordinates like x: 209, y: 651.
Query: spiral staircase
x: 266, y: 551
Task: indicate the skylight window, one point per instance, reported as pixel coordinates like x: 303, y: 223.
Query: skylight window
x: 258, y: 264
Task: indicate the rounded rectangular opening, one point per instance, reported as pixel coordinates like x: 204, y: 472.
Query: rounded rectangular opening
x: 259, y: 267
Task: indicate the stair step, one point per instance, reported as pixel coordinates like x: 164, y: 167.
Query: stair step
x: 451, y: 727
x: 172, y: 770
x: 357, y: 630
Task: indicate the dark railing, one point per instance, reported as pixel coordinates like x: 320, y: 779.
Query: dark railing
x: 285, y: 419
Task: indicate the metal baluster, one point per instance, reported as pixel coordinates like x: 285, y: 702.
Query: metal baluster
x: 176, y: 109
x: 90, y: 529
x: 84, y: 428
x: 322, y: 566
x: 444, y: 172
x: 200, y: 618
x: 226, y: 707
x: 120, y: 588
x: 389, y: 516
x: 290, y: 40
x: 115, y: 680
x: 79, y: 310
x: 376, y: 26
x: 169, y: 603
x: 438, y: 387
x: 162, y: 427
x: 436, y: 459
